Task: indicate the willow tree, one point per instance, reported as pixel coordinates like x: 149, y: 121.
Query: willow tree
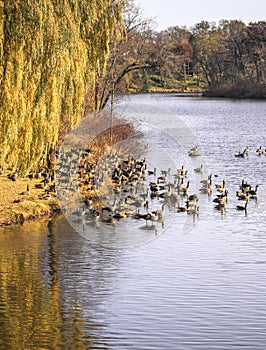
x: 50, y: 54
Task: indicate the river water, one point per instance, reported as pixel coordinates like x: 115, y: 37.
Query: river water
x: 194, y: 282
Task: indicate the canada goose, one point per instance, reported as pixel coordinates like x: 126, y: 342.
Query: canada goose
x: 13, y: 176
x: 141, y: 216
x: 20, y: 200
x: 181, y: 171
x: 246, y: 150
x: 244, y: 187
x: 194, y: 153
x: 193, y: 149
x: 27, y: 192
x: 88, y: 201
x: 95, y: 214
x: 192, y: 200
x: 107, y: 210
x: 162, y: 178
x: 221, y: 198
x: 184, y: 190
x: 220, y: 187
x: 207, y: 181
x: 181, y: 176
x: 243, y: 196
x: 154, y: 187
x: 182, y: 209
x: 199, y: 170
x: 129, y: 212
x: 119, y: 215
x: 159, y: 213
x: 41, y: 186
x: 253, y: 193
x: 240, y: 155
x: 152, y: 172
x: 242, y: 207
x: 259, y: 151
x: 146, y: 204
x: 152, y: 216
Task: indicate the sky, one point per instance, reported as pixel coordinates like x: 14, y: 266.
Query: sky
x: 190, y: 12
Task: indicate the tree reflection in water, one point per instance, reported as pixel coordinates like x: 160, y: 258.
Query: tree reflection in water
x: 37, y: 311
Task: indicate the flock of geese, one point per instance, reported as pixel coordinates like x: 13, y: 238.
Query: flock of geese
x: 119, y: 187
x: 122, y: 186
x: 245, y: 152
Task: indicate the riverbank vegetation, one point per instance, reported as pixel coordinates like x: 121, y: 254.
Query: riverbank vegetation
x: 62, y: 60
x: 51, y: 54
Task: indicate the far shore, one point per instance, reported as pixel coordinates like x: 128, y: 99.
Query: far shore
x: 234, y: 92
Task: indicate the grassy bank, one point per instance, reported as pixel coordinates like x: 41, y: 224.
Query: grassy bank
x: 17, y: 205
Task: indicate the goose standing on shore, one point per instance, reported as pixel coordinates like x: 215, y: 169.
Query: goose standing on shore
x: 159, y: 213
x: 27, y: 192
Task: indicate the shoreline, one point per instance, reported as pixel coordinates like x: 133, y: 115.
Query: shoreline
x: 223, y: 94
x: 18, y: 206
x: 25, y: 199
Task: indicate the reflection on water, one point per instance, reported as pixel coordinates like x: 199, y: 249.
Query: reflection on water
x: 197, y: 288
x: 41, y: 290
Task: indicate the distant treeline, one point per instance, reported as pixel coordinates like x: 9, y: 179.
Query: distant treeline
x: 228, y: 59
x: 60, y: 59
x: 231, y: 57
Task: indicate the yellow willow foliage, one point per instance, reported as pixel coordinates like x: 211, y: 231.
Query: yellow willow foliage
x: 50, y: 54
